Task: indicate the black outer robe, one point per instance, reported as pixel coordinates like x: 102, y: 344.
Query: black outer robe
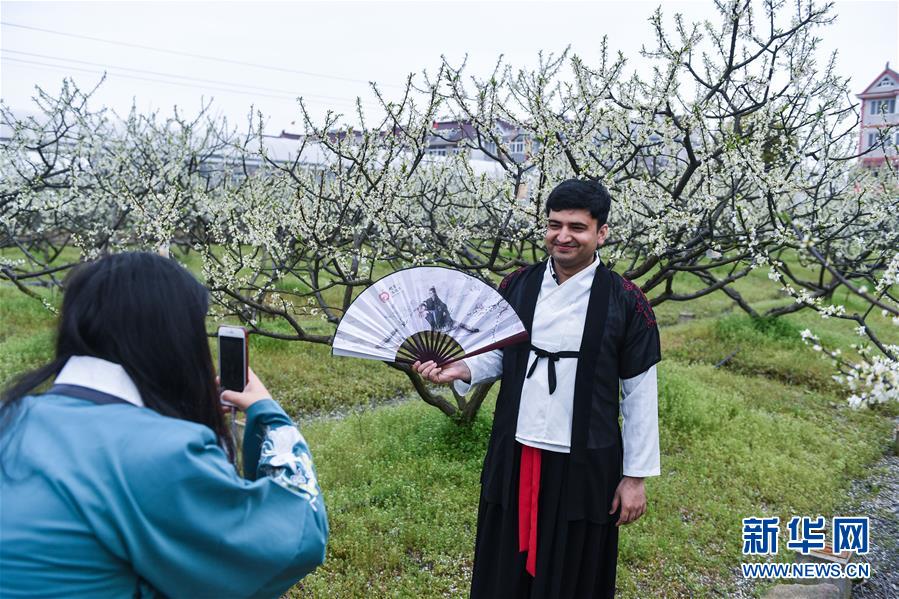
x: 620, y: 340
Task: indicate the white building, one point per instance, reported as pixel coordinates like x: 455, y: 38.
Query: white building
x: 879, y: 103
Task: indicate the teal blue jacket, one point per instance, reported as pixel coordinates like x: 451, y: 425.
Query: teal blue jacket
x: 110, y: 500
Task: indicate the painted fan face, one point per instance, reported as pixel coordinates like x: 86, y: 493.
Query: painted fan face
x: 426, y: 313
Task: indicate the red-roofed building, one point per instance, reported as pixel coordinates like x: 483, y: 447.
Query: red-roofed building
x: 878, y: 111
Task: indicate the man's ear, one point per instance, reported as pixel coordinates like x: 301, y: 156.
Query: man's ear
x: 602, y: 234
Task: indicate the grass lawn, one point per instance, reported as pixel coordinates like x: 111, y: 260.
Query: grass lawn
x: 766, y: 433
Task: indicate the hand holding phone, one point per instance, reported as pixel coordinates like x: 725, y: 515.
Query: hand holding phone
x: 255, y: 391
x: 233, y: 358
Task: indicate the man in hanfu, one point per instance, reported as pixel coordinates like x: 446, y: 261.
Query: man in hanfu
x: 560, y: 476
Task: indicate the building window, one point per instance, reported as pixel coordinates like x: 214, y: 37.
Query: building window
x: 516, y: 147
x: 872, y: 140
x: 888, y: 106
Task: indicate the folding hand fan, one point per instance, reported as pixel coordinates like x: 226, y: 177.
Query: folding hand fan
x: 427, y: 313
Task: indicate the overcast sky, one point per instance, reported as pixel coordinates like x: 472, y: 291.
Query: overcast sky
x: 267, y: 53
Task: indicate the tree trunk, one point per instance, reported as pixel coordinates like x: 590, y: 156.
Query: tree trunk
x: 465, y: 409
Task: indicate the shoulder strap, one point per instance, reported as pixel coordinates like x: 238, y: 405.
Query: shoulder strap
x: 86, y: 393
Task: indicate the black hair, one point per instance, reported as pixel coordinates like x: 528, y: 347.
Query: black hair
x: 575, y: 194
x: 148, y: 314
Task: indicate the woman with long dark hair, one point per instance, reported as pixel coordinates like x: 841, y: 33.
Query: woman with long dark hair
x: 119, y: 480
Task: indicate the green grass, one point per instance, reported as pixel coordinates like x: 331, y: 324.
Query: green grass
x: 401, y: 489
x: 769, y: 349
x: 26, y: 333
x: 767, y: 432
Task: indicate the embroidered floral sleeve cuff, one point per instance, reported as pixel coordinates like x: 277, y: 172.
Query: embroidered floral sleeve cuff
x: 285, y: 459
x: 273, y: 447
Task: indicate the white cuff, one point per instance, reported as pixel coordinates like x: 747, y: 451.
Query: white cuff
x: 484, y: 368
x: 462, y: 387
x: 640, y: 430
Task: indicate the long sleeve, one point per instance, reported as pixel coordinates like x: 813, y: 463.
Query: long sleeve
x: 282, y: 455
x: 641, y: 346
x: 640, y: 430
x: 191, y: 527
x: 484, y: 368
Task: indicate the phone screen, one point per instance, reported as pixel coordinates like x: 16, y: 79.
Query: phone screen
x: 233, y: 371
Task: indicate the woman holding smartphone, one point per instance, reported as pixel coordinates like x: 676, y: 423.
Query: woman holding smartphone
x: 119, y: 480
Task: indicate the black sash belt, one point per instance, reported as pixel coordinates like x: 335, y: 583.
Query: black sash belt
x: 551, y: 368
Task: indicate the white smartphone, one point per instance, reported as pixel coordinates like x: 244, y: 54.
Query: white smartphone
x: 233, y: 358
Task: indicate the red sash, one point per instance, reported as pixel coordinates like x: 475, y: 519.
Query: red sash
x: 528, y: 493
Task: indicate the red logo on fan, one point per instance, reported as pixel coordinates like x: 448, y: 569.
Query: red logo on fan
x: 384, y: 296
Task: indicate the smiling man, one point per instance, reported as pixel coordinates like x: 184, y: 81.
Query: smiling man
x: 560, y: 476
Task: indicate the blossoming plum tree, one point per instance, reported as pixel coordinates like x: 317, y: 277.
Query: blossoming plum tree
x: 733, y: 151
